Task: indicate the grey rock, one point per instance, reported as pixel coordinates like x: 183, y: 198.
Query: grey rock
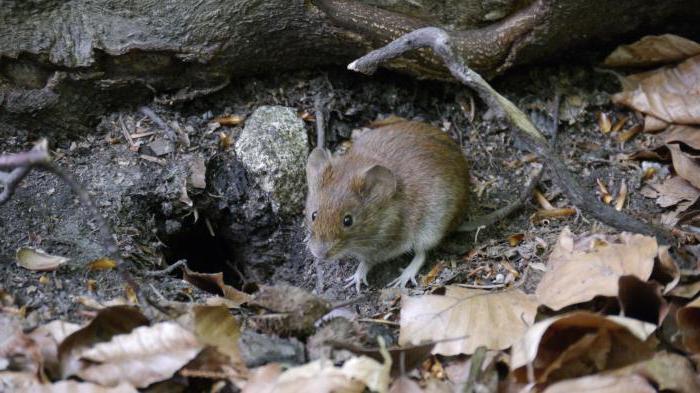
x: 273, y: 148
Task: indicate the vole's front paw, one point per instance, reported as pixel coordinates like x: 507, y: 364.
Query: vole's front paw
x: 403, y: 279
x: 359, y: 277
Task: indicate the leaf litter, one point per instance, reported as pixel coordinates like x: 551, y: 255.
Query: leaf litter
x: 597, y: 320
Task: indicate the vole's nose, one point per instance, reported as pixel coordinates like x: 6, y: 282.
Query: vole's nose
x: 319, y: 250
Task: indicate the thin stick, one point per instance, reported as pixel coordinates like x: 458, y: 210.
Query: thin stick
x: 439, y: 41
x: 169, y: 132
x: 167, y: 270
x: 320, y: 122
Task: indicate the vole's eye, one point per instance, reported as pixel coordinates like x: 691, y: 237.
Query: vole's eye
x: 313, y: 216
x: 347, y: 220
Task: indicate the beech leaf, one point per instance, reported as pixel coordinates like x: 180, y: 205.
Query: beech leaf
x: 466, y: 319
x: 577, y: 276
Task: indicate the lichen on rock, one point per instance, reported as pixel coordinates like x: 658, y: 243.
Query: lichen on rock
x: 273, y: 148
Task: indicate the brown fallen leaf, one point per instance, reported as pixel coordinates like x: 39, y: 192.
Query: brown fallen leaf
x: 48, y: 337
x: 669, y: 371
x: 18, y: 352
x: 580, y: 343
x: 604, y: 122
x: 684, y: 134
x: 686, y: 291
x: 405, y: 385
x: 146, y: 355
x: 38, y: 260
x: 687, y: 166
x: 653, y: 123
x: 215, y: 326
x: 673, y: 191
x: 688, y: 319
x: 483, y: 318
x: 653, y: 50
x: 666, y: 271
x: 602, y: 384
x: 576, y: 276
x: 229, y: 120
x: 102, y: 264
x: 109, y: 322
x: 642, y: 300
x: 214, y: 283
x: 670, y: 94
x: 13, y: 381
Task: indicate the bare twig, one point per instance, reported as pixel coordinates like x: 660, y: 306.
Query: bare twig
x: 320, y: 122
x: 439, y: 41
x: 167, y: 270
x: 169, y: 132
x: 22, y: 163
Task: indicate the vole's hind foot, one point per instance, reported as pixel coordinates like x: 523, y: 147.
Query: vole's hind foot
x: 410, y: 272
x: 359, y: 277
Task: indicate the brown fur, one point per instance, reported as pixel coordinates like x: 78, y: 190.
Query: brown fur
x: 431, y: 175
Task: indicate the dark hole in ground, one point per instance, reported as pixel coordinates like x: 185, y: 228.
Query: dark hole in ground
x: 204, y: 253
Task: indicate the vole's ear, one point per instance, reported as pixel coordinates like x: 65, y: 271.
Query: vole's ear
x: 378, y: 182
x: 316, y: 161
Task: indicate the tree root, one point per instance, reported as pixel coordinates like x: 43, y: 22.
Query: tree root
x: 439, y: 41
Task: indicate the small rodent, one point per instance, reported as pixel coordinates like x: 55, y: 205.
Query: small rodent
x: 400, y: 188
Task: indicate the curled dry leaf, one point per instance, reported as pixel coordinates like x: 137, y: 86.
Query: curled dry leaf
x: 48, y: 337
x: 673, y: 191
x: 466, y: 319
x: 653, y: 50
x: 321, y: 376
x: 405, y: 384
x: 603, y: 384
x: 683, y: 134
x: 686, y: 165
x: 214, y: 283
x: 146, y: 355
x: 688, y: 320
x: 102, y: 264
x: 109, y: 322
x: 11, y: 381
x: 38, y: 260
x: 580, y: 343
x: 666, y: 271
x: 215, y: 326
x: 669, y: 371
x: 670, y: 94
x: 577, y: 276
x: 642, y: 300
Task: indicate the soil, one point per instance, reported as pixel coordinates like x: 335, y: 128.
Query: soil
x: 136, y: 195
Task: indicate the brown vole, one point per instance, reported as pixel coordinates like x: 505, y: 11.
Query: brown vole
x: 400, y: 188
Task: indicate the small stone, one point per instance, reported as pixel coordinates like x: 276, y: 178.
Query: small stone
x: 161, y: 147
x: 500, y: 278
x: 273, y: 148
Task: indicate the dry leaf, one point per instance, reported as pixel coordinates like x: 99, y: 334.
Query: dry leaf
x: 484, y: 318
x: 215, y: 326
x: 576, y: 276
x: 214, y: 283
x: 11, y: 381
x: 38, y: 260
x: 653, y: 50
x: 146, y: 355
x: 48, y: 337
x: 642, y: 300
x: 405, y: 385
x: 666, y: 271
x: 684, y: 134
x: 18, y: 352
x: 669, y: 371
x: 688, y: 319
x: 670, y: 94
x: 229, y: 120
x: 653, y: 123
x: 686, y: 166
x: 102, y: 264
x: 262, y: 379
x: 604, y: 122
x: 109, y: 322
x: 580, y: 343
x: 602, y: 384
x: 673, y: 191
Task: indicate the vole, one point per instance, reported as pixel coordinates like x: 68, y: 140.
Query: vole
x: 401, y: 187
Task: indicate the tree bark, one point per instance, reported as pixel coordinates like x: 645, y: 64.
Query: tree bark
x: 65, y: 63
